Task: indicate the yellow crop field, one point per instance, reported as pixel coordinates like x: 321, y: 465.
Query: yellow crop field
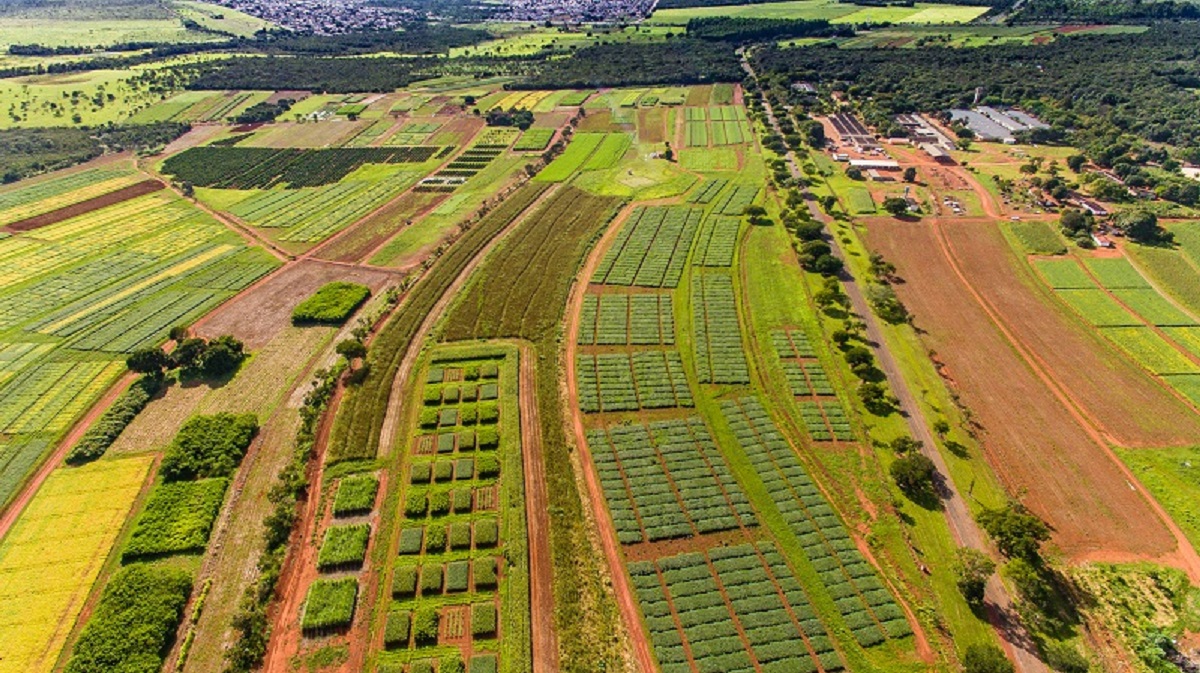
x: 52, y: 556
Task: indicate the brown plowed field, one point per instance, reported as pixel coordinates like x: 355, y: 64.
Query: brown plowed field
x: 1034, y: 441
x: 84, y: 207
x: 1114, y: 393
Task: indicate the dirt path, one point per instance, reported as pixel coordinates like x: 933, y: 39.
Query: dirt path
x: 1001, y: 611
x: 626, y: 601
x: 12, y: 512
x: 537, y: 520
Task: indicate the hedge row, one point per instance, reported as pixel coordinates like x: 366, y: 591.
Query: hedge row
x: 109, y: 427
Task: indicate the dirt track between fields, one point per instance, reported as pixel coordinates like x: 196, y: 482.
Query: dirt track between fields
x: 626, y: 601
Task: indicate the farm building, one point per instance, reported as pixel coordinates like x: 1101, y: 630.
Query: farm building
x: 937, y: 153
x: 1092, y: 207
x: 1103, y: 241
x: 875, y: 164
x: 992, y: 124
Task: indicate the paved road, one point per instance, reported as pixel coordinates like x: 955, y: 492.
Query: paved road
x: 966, y: 532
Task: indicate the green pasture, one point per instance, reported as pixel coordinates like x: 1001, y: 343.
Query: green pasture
x: 920, y: 13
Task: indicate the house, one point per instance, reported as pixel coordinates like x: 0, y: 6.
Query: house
x: 1103, y: 241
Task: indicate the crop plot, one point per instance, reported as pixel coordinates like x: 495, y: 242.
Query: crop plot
x: 720, y: 357
x: 534, y: 140
x: 51, y: 194
x: 1116, y: 273
x: 471, y: 162
x: 461, y: 567
x: 718, y: 241
x: 54, y: 552
x: 666, y: 480
x: 707, y: 191
x: 868, y: 608
x: 735, y: 199
x: 1098, y: 309
x: 651, y: 249
x: 824, y: 416
x: 1064, y: 274
x: 1150, y: 351
x: 627, y: 382
x: 1151, y: 306
x: 734, y: 608
x: 627, y: 320
x: 261, y: 168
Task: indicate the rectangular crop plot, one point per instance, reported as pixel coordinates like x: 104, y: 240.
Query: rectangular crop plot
x: 534, y: 140
x: 666, y: 480
x: 260, y: 167
x: 178, y: 518
x: 1098, y: 309
x: 1150, y: 350
x: 1116, y: 273
x: 651, y: 248
x: 735, y: 199
x: 707, y: 191
x: 627, y: 320
x: 731, y: 609
x: 720, y: 357
x: 1064, y: 274
x: 1155, y: 309
x: 718, y: 240
x: 868, y: 608
x: 621, y: 382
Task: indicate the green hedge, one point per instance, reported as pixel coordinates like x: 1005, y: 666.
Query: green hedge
x: 209, y: 446
x: 331, y: 305
x: 178, y: 518
x: 329, y: 604
x: 483, y: 619
x: 404, y: 582
x: 355, y: 495
x: 486, y: 533
x: 344, y: 547
x: 425, y: 626
x: 485, y: 573
x: 134, y: 623
x: 396, y: 632
x: 109, y: 427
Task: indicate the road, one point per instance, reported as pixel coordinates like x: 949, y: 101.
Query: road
x: 1001, y: 612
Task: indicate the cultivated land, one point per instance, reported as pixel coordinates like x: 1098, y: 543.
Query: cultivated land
x: 625, y: 378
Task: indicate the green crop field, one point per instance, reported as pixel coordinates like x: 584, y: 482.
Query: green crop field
x: 54, y: 553
x: 651, y: 249
x: 1038, y: 238
x: 578, y: 152
x: 824, y: 9
x: 720, y: 353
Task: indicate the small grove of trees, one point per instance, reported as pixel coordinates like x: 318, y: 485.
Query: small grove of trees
x: 192, y: 356
x: 1142, y: 226
x: 518, y: 117
x: 895, y: 206
x: 972, y: 570
x: 914, y: 473
x: 986, y: 659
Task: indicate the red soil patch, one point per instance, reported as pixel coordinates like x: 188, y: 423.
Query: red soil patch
x: 247, y: 128
x: 288, y: 95
x: 1038, y: 446
x: 1042, y: 39
x: 265, y: 309
x: 1076, y: 28
x: 84, y: 207
x: 358, y: 241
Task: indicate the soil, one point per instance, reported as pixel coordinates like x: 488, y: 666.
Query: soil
x: 84, y: 207
x: 1035, y: 442
x: 264, y: 310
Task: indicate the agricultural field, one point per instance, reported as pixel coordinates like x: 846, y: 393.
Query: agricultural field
x: 652, y: 249
x: 919, y: 13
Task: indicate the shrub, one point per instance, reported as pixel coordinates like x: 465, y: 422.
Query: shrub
x: 486, y: 533
x: 396, y: 633
x: 355, y: 495
x: 483, y: 619
x: 461, y: 500
x: 431, y: 579
x: 429, y: 417
x: 416, y: 504
x: 488, y: 413
x: 488, y: 438
x: 134, y: 622
x: 483, y: 663
x: 435, y: 538
x: 460, y: 535
x: 178, y: 518
x: 487, y: 467
x: 330, y: 604
x: 443, y: 470
x: 410, y: 540
x: 439, y: 503
x: 209, y: 446
x: 420, y: 473
x: 425, y: 625
x: 433, y: 396
x: 986, y: 659
x: 344, y: 547
x: 421, y: 666
x: 404, y: 582
x: 464, y: 469
x: 466, y: 440
x: 109, y: 427
x: 331, y: 305
x: 451, y: 663
x: 457, y: 573
x: 485, y: 573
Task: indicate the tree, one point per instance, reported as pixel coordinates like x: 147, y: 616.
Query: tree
x: 1140, y: 225
x: 886, y: 304
x: 941, y: 426
x: 147, y: 361
x: 905, y: 445
x: 179, y: 333
x: 986, y: 659
x: 1076, y: 161
x: 972, y: 570
x: 854, y: 173
x: 188, y: 353
x: 351, y: 349
x: 915, y: 475
x: 1075, y: 221
x: 1017, y: 533
x: 910, y: 174
x: 222, y: 356
x: 827, y: 265
x: 895, y: 205
x: 876, y: 399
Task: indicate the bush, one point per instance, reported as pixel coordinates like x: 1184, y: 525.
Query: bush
x: 488, y: 413
x: 460, y: 535
x: 421, y: 666
x: 425, y: 625
x: 416, y: 505
x: 487, y: 438
x: 457, y: 576
x: 461, y: 500
x: 134, y: 622
x: 486, y: 533
x: 483, y: 663
x: 439, y: 503
x: 355, y: 495
x: 431, y: 580
x: 209, y: 446
x: 484, y: 572
x: 443, y: 471
x: 410, y: 540
x: 464, y: 469
x: 435, y: 538
x: 420, y: 473
x: 451, y: 663
x: 395, y: 635
x: 330, y: 604
x: 331, y: 305
x: 109, y: 427
x: 178, y: 518
x: 986, y: 659
x: 1064, y: 657
x: 344, y: 547
x: 404, y: 582
x: 483, y: 619
x: 487, y: 467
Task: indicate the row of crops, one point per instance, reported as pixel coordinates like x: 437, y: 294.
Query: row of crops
x: 720, y: 354
x: 453, y: 579
x: 651, y: 250
x: 262, y: 168
x: 464, y: 167
x: 717, y: 241
x: 868, y: 608
x: 83, y: 293
x: 737, y: 608
x: 666, y: 479
x: 627, y: 320
x: 824, y: 417
x: 631, y: 381
x: 534, y: 140
x: 49, y: 195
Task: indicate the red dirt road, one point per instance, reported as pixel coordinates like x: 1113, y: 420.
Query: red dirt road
x: 626, y: 601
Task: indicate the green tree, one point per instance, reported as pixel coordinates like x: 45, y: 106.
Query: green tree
x: 915, y: 475
x: 972, y: 570
x: 910, y: 174
x: 147, y: 361
x: 351, y: 349
x: 985, y: 659
x: 1017, y: 533
x: 1076, y: 161
x: 895, y: 205
x: 1140, y: 225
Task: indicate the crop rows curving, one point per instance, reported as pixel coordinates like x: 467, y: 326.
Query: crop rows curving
x: 666, y: 480
x: 868, y: 609
x: 720, y: 357
x: 651, y: 249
